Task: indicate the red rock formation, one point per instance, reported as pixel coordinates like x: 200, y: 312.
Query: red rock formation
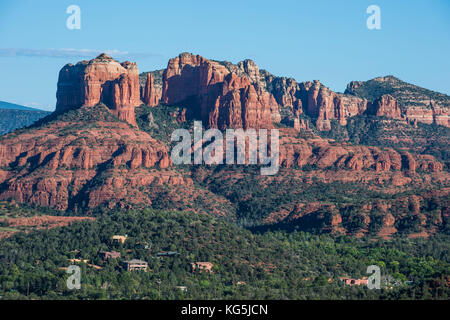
x: 299, y: 152
x: 287, y: 93
x: 435, y: 114
x: 151, y: 95
x: 189, y: 76
x: 417, y: 104
x: 73, y: 164
x: 428, y: 163
x: 386, y: 106
x: 70, y: 163
x: 391, y: 211
x: 203, y: 82
x: 324, y: 104
x: 226, y: 100
x: 248, y: 69
x: 409, y: 161
x: 301, y: 124
x: 100, y: 80
x: 388, y: 227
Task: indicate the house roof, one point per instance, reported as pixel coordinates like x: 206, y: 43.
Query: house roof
x: 135, y: 261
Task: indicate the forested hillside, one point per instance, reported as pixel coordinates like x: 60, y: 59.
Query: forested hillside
x: 270, y: 265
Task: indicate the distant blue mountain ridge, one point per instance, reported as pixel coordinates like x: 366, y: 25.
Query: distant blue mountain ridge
x: 14, y: 116
x: 13, y: 106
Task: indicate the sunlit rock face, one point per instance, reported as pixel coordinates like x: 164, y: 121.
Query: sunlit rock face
x: 102, y: 79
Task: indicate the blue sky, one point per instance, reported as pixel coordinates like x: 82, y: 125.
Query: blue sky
x: 306, y: 40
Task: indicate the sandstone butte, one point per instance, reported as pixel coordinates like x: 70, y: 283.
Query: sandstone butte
x: 73, y: 163
x: 100, y: 80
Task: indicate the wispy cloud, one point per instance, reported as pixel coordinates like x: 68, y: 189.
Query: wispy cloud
x: 71, y: 53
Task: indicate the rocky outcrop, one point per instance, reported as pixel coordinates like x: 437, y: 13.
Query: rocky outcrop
x: 150, y: 93
x: 428, y: 163
x: 325, y: 105
x: 286, y: 92
x: 416, y: 104
x: 188, y: 76
x: 376, y: 217
x: 201, y: 81
x: 221, y: 98
x: 100, y: 80
x: 385, y: 96
x: 385, y: 106
x: 315, y: 100
x: 219, y: 102
x: 434, y: 114
x: 301, y: 124
x: 298, y: 152
x: 408, y: 162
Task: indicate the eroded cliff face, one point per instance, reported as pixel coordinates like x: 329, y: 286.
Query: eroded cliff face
x: 221, y: 98
x: 415, y: 104
x: 100, y: 80
x: 151, y: 94
x: 312, y: 99
x: 255, y: 98
x: 433, y: 114
x: 387, y: 214
x: 324, y: 105
x: 327, y: 154
x: 385, y: 106
x: 383, y: 97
